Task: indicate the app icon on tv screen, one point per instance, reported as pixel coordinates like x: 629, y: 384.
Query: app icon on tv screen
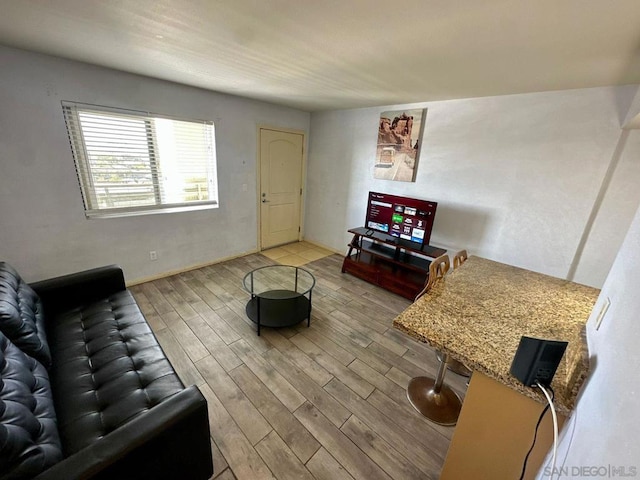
x: 417, y: 235
x: 381, y: 227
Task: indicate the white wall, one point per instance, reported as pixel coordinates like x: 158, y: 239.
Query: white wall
x: 632, y: 119
x: 604, y: 427
x: 515, y: 177
x: 616, y: 208
x: 43, y: 230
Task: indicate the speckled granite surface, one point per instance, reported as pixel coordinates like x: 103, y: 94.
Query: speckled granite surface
x: 478, y: 313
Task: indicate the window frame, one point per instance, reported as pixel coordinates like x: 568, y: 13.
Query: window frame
x: 83, y: 166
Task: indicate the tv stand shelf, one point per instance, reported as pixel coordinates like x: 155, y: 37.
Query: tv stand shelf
x: 397, y: 265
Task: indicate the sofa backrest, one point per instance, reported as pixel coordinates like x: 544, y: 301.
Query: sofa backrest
x: 29, y: 439
x: 21, y: 315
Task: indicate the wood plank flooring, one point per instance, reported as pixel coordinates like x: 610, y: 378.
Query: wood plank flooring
x: 326, y: 402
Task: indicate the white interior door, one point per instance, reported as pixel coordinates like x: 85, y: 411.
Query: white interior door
x: 280, y: 186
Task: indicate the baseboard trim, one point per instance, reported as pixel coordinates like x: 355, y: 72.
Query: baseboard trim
x: 170, y: 273
x: 317, y: 244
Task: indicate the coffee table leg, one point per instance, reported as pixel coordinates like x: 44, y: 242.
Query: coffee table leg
x: 309, y: 312
x: 258, y: 308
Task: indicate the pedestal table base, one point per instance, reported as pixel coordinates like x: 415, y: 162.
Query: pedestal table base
x: 436, y: 401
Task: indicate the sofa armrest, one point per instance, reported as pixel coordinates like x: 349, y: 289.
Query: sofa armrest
x: 68, y: 291
x: 171, y: 440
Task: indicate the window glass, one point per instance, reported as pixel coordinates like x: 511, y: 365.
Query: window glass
x: 132, y: 163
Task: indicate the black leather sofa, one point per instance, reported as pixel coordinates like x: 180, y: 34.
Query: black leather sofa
x: 86, y: 392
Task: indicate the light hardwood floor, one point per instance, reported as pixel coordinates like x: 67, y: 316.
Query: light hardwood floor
x: 325, y: 402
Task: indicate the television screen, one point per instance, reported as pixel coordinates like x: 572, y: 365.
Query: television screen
x: 402, y: 217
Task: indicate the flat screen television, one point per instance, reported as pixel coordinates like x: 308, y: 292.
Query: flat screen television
x: 402, y: 217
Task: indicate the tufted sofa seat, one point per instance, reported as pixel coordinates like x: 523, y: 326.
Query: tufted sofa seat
x: 110, y: 404
x: 27, y: 416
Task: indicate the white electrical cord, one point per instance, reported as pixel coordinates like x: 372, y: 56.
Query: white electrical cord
x: 555, y: 427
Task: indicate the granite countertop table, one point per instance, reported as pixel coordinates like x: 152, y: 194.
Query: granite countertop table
x: 478, y: 313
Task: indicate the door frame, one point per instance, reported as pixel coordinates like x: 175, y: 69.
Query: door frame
x: 303, y: 180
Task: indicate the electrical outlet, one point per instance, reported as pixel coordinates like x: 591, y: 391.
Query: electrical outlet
x: 603, y: 312
x: 153, y: 255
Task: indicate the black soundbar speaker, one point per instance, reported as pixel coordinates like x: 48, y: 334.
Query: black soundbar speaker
x: 537, y: 360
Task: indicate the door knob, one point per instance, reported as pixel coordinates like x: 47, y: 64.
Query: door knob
x: 264, y: 200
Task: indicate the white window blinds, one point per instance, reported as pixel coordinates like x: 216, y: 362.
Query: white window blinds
x: 132, y: 163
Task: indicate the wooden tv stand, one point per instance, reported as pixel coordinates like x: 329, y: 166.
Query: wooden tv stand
x: 397, y: 265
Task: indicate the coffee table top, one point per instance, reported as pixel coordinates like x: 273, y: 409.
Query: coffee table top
x: 287, y: 280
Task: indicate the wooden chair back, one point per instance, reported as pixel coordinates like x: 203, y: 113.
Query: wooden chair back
x: 459, y: 258
x: 437, y: 270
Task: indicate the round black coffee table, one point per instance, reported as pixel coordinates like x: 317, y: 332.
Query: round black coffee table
x: 280, y: 295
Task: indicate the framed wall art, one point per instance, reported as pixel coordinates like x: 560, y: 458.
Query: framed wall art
x: 399, y: 141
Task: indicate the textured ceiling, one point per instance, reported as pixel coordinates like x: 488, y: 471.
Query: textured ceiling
x: 330, y: 54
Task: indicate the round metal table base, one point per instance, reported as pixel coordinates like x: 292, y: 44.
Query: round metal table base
x: 441, y: 407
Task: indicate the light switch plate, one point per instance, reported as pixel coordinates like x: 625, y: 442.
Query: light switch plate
x: 603, y: 312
